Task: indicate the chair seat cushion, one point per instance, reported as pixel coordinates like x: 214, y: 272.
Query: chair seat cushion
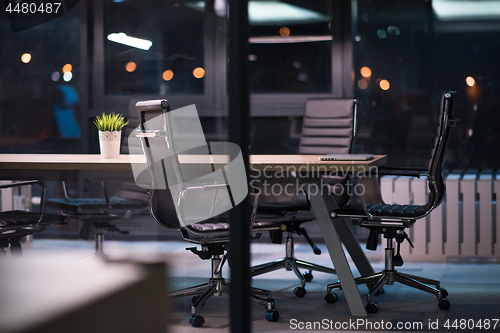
x: 20, y: 218
x: 86, y: 205
x: 206, y: 227
x: 383, y: 210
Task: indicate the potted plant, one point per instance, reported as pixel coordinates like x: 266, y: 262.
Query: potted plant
x: 110, y: 126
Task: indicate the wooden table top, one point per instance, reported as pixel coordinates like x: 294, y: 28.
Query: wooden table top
x: 296, y: 163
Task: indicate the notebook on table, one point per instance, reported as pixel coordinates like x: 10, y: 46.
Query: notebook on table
x: 346, y: 157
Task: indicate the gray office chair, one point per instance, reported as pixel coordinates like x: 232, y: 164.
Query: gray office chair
x: 392, y: 220
x: 329, y: 127
x: 100, y: 214
x: 16, y: 224
x: 173, y: 209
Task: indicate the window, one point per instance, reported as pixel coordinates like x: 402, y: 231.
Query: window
x: 406, y: 54
x: 154, y: 48
x: 41, y: 80
x: 290, y: 47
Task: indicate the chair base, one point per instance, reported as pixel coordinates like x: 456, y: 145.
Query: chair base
x: 290, y: 263
x: 216, y: 286
x: 377, y: 281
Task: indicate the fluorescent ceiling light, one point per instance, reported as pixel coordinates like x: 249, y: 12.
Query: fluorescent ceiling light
x: 466, y: 9
x: 274, y: 12
x: 122, y: 38
x: 288, y: 39
x: 266, y: 12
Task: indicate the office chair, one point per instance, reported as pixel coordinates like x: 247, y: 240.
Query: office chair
x: 179, y: 191
x: 329, y: 127
x: 392, y: 220
x: 16, y: 224
x: 99, y: 213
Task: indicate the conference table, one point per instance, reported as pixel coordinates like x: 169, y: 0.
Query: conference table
x: 308, y: 168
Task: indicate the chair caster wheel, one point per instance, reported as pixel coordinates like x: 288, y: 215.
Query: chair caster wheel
x: 444, y: 293
x: 308, y: 276
x: 196, y: 321
x: 331, y: 298
x: 371, y: 307
x: 272, y: 315
x: 300, y: 291
x: 444, y: 304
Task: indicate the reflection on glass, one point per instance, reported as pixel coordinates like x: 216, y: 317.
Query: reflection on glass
x: 427, y: 48
x: 290, y: 46
x: 160, y: 38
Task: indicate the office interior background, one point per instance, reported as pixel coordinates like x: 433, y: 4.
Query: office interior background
x: 396, y: 57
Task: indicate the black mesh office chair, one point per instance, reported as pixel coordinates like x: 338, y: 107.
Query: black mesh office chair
x: 162, y: 155
x: 100, y: 214
x: 329, y: 127
x: 16, y: 224
x: 392, y: 220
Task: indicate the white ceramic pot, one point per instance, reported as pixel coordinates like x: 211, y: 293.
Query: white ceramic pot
x: 110, y: 144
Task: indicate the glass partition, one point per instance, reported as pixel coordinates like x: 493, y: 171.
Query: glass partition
x: 42, y: 99
x: 154, y: 48
x: 290, y: 46
x: 406, y: 54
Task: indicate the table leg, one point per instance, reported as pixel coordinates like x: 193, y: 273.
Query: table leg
x: 352, y: 246
x: 322, y: 205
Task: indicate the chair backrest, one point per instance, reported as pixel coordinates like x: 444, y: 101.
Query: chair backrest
x: 329, y: 126
x: 162, y: 207
x: 198, y: 191
x: 437, y: 186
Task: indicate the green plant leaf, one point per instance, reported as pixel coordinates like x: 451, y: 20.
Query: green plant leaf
x: 110, y: 122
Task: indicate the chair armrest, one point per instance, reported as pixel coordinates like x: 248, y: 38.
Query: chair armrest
x: 24, y: 183
x: 42, y: 197
x: 150, y: 133
x: 402, y: 171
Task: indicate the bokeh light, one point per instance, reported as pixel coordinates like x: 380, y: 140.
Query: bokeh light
x: 168, y: 75
x: 130, y: 66
x: 284, y: 31
x: 198, y: 72
x: 365, y: 71
x: 470, y: 81
x: 26, y: 58
x: 384, y: 85
x: 67, y: 68
x: 55, y: 76
x: 363, y: 84
x: 381, y: 33
x: 67, y: 76
x: 393, y: 30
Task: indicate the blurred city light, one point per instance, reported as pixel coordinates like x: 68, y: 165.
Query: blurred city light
x: 284, y: 31
x: 56, y: 76
x: 470, y: 81
x: 393, y: 30
x: 168, y: 75
x: 381, y: 33
x: 67, y: 68
x: 26, y: 58
x: 365, y: 71
x: 67, y: 76
x: 384, y: 85
x: 198, y: 72
x: 130, y: 66
x: 363, y: 84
